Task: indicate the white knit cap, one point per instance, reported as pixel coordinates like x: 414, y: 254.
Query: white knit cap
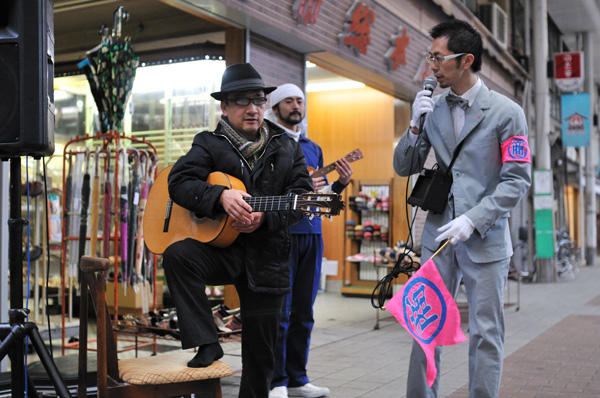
x: 284, y: 91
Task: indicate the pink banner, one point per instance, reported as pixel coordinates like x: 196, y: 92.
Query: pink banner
x: 425, y: 308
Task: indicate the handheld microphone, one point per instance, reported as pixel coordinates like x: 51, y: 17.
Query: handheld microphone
x: 430, y: 83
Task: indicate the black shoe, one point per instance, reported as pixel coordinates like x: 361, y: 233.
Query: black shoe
x: 206, y: 355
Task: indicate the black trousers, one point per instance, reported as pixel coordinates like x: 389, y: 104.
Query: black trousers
x: 189, y: 266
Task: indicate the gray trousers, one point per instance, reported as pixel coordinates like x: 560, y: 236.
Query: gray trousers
x: 484, y: 284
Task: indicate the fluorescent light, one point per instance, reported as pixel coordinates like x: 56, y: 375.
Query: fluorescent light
x: 310, y: 64
x: 330, y: 85
x: 191, y: 75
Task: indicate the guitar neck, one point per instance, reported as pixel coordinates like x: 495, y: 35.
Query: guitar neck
x: 270, y: 203
x: 351, y: 157
x: 323, y: 170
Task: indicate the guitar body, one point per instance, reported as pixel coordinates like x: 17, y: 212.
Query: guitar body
x: 182, y: 223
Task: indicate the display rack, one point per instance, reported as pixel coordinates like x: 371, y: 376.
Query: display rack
x: 112, y: 159
x: 368, y: 227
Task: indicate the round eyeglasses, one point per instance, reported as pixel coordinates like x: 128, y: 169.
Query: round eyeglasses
x: 438, y: 59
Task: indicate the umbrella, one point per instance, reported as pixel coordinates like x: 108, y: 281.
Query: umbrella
x: 83, y: 218
x: 110, y: 71
x: 123, y: 212
x: 134, y: 197
x: 116, y: 64
x: 107, y: 208
x: 95, y: 205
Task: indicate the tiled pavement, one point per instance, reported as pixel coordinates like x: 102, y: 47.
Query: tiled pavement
x: 564, y: 361
x: 552, y: 346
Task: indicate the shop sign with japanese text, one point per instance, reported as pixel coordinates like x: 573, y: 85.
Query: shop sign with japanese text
x: 396, y: 54
x: 568, y: 71
x: 306, y: 11
x: 357, y: 28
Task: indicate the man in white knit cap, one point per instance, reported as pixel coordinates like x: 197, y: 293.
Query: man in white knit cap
x: 287, y: 110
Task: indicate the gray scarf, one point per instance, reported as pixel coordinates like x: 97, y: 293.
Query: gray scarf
x: 250, y: 150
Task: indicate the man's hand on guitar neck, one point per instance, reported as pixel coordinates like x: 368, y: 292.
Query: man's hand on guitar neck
x: 236, y: 207
x: 344, y: 170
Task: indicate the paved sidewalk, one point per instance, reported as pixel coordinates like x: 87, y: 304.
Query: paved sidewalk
x: 551, y: 346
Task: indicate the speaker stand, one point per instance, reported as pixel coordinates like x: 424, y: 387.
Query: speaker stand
x: 14, y: 333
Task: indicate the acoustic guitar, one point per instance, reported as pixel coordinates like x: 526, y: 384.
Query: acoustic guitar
x: 351, y: 157
x: 165, y: 222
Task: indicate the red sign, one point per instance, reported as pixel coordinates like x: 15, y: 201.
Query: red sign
x: 568, y: 70
x: 357, y: 29
x: 397, y: 52
x: 306, y: 11
x: 567, y: 65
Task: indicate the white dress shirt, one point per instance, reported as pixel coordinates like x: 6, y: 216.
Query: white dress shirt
x: 458, y: 113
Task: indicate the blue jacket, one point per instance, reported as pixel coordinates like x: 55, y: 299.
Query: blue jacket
x: 314, y: 158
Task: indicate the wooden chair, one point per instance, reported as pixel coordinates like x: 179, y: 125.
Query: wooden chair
x: 163, y: 375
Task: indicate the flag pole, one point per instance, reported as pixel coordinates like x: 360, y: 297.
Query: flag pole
x: 431, y: 258
x: 440, y: 249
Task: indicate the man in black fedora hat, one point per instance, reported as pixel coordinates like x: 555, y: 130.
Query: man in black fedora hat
x: 257, y: 152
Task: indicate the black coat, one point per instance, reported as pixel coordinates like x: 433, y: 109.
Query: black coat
x: 280, y: 170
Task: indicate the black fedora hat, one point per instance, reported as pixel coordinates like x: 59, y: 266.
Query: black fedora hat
x: 240, y: 77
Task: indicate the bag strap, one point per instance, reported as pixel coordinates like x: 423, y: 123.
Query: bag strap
x: 455, y: 154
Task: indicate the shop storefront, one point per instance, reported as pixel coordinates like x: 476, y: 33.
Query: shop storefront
x: 377, y: 47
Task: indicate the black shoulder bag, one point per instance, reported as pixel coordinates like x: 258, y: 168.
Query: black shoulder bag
x: 431, y: 190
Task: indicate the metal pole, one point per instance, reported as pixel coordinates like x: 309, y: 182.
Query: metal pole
x: 590, y: 156
x: 15, y: 255
x: 545, y: 267
x: 581, y: 213
x: 4, y: 215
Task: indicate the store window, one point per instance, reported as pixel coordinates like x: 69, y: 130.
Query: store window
x: 168, y: 105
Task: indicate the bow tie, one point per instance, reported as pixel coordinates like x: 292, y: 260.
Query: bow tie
x: 455, y: 100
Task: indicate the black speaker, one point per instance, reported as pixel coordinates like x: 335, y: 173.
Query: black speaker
x: 26, y: 78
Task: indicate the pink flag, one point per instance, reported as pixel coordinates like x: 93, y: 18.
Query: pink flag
x: 425, y: 308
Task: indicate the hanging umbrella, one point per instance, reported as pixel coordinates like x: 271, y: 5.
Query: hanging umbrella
x: 101, y: 103
x: 134, y: 197
x: 110, y: 70
x: 123, y: 213
x: 95, y: 205
x: 83, y: 218
x: 107, y: 207
x: 116, y: 65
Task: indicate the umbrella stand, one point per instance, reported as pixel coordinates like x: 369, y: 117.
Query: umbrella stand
x: 74, y: 241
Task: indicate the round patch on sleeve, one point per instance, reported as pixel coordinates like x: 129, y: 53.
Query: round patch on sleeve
x: 516, y: 149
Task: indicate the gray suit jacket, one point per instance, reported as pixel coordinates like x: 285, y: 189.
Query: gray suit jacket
x: 484, y: 188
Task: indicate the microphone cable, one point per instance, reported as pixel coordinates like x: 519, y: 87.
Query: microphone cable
x: 405, y: 263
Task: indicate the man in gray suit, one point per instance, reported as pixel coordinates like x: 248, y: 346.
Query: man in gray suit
x: 492, y: 172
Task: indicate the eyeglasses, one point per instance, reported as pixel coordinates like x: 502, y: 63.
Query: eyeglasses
x: 245, y: 101
x: 438, y: 59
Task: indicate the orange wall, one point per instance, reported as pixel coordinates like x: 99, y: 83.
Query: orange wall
x: 341, y: 121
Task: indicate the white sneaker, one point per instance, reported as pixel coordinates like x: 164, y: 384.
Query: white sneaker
x: 307, y: 391
x: 279, y: 392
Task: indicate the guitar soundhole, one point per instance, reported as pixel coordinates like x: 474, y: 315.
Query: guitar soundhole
x: 203, y: 220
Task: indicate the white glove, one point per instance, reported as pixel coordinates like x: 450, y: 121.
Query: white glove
x: 458, y: 230
x: 423, y: 103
